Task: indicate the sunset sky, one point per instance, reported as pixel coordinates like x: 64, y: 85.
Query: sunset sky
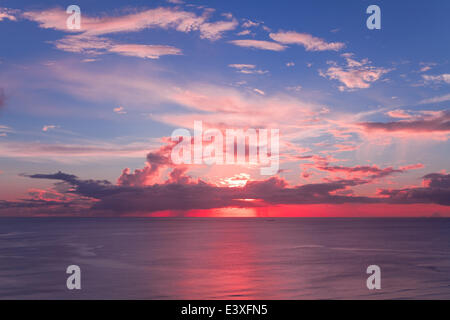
x: 86, y: 115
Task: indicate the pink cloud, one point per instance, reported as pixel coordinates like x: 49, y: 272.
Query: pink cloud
x: 145, y: 51
x: 85, y: 44
x: 70, y: 152
x: 259, y: 44
x: 247, y: 68
x: 355, y: 75
x: 8, y: 14
x: 88, y: 39
x: 436, y: 122
x: 214, y: 30
x: 436, y: 99
x: 398, y: 113
x: 164, y: 18
x: 310, y: 42
x: 437, y: 78
x: 156, y: 162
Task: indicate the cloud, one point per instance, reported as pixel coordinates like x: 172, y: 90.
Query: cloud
x: 259, y: 44
x: 49, y: 127
x: 372, y: 172
x: 355, y: 75
x: 84, y: 44
x: 294, y: 88
x: 156, y: 161
x: 90, y: 39
x: 369, y: 173
x: 178, y: 193
x: 247, y: 68
x: 437, y: 78
x: 215, y: 30
x: 243, y: 33
x: 94, y: 45
x: 259, y: 91
x: 310, y: 42
x: 398, y: 113
x: 436, y: 122
x: 4, y: 130
x: 8, y: 14
x: 426, y: 66
x: 119, y: 110
x: 249, y: 24
x: 290, y: 64
x: 144, y: 51
x: 164, y: 18
x: 242, y: 66
x: 69, y: 152
x: 437, y: 190
x: 142, y: 192
x: 436, y: 99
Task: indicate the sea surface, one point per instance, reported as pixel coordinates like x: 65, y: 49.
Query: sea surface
x: 224, y: 258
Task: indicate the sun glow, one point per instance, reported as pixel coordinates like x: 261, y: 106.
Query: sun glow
x: 236, y: 181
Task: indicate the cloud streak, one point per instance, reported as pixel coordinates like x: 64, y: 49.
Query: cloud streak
x: 310, y: 42
x: 259, y: 44
x: 438, y: 122
x: 91, y: 38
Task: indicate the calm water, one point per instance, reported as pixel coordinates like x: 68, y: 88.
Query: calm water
x: 186, y: 258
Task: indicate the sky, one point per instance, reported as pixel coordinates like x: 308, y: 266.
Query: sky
x: 86, y: 115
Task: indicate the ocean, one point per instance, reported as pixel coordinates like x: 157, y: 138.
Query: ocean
x: 224, y: 258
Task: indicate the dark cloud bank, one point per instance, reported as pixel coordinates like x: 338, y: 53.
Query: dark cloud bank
x: 103, y: 198
x: 136, y: 192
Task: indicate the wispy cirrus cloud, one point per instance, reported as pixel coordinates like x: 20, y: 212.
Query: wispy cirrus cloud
x: 165, y: 18
x: 91, y: 38
x: 445, y: 78
x: 249, y: 23
x: 430, y: 122
x: 154, y: 18
x: 436, y: 99
x: 372, y: 172
x: 70, y: 152
x: 310, y: 42
x: 4, y: 130
x: 49, y: 127
x: 93, y: 45
x: 426, y: 66
x: 145, y: 51
x: 259, y: 44
x: 84, y: 44
x: 247, y: 68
